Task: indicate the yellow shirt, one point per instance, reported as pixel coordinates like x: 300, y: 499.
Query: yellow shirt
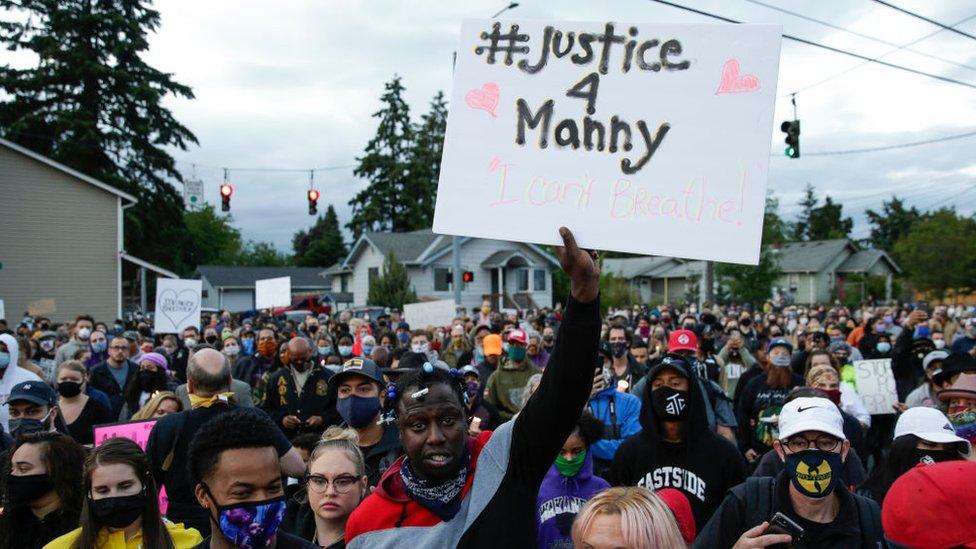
x: 183, y: 538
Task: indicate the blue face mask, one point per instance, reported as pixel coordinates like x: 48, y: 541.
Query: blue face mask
x: 4, y: 360
x: 403, y: 337
x: 345, y: 350
x: 367, y: 350
x: 251, y: 523
x: 358, y: 411
x: 325, y: 351
x: 883, y: 346
x: 99, y: 346
x: 248, y: 346
x: 479, y: 355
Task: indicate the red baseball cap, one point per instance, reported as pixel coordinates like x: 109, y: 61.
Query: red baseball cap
x: 929, y: 507
x: 518, y: 336
x: 682, y: 340
x: 681, y: 508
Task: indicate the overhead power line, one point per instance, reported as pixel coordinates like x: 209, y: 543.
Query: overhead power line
x: 245, y: 169
x: 926, y: 19
x: 891, y: 147
x: 861, y: 35
x: 825, y: 46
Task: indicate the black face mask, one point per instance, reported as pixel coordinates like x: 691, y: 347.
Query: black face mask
x: 118, y: 512
x: 928, y: 457
x: 21, y: 490
x: 211, y: 339
x: 144, y: 331
x: 669, y: 404
x: 69, y: 389
x: 147, y: 380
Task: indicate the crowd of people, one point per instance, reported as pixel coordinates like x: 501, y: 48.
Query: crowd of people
x: 653, y: 426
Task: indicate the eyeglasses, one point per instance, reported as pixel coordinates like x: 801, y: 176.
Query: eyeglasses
x: 824, y: 443
x: 319, y: 484
x: 117, y: 348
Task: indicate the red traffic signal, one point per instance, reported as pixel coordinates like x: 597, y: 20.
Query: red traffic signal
x: 467, y: 276
x: 313, y: 199
x: 225, y: 191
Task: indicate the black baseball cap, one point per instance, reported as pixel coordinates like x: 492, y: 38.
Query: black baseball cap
x: 360, y: 367
x: 37, y: 392
x: 955, y: 363
x: 677, y: 362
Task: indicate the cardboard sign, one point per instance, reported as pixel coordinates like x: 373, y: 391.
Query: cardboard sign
x: 177, y: 305
x: 272, y: 292
x: 430, y: 313
x: 650, y: 139
x: 136, y: 431
x: 876, y: 385
x: 42, y: 307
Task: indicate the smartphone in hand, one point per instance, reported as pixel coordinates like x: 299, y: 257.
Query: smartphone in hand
x: 782, y: 524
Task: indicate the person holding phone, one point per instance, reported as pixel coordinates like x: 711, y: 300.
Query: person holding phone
x: 817, y: 509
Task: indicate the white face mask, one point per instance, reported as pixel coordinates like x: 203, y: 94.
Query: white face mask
x: 419, y: 347
x: 84, y: 334
x: 232, y: 350
x: 939, y: 343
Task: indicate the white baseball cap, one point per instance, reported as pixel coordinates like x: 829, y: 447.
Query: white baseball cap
x: 932, y: 356
x: 810, y: 414
x: 929, y: 425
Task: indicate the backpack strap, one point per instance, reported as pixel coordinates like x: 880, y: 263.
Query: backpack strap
x: 869, y: 521
x: 759, y: 495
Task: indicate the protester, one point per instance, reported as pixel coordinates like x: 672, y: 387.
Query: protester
x: 442, y: 481
x: 484, y: 416
x: 233, y: 463
x: 809, y: 491
x: 81, y: 330
x: 32, y: 406
x: 762, y: 399
x: 569, y: 483
x: 505, y: 384
x: 360, y: 398
x: 849, y: 399
x: 162, y: 403
x: 925, y: 393
x: 241, y: 390
x: 623, y: 367
x: 252, y: 367
x: 490, y: 351
x: 79, y: 412
x: 42, y: 490
x: 298, y: 398
x: 151, y: 378
x: 44, y: 356
x: 734, y: 359
x: 115, y: 375
x: 11, y: 375
x: 967, y: 342
x: 960, y: 397
x: 336, y: 484
x: 675, y: 448
x: 931, y: 507
x: 626, y: 517
x: 618, y: 411
x: 208, y: 382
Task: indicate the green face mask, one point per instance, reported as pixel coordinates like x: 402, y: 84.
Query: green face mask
x: 569, y: 467
x: 516, y: 353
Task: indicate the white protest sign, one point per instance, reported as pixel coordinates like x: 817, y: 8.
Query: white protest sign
x: 3, y: 310
x: 650, y: 139
x: 177, y: 305
x: 430, y: 313
x: 876, y: 385
x: 272, y: 292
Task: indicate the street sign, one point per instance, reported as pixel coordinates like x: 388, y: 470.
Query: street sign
x: 193, y: 194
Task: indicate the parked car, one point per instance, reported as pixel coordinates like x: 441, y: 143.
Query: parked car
x: 373, y: 312
x: 316, y: 304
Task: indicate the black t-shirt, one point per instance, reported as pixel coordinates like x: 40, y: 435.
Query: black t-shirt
x: 283, y: 540
x: 94, y: 413
x: 173, y: 433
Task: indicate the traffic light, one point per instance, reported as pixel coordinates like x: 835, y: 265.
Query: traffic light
x: 313, y: 202
x: 467, y: 276
x: 225, y: 191
x: 792, y: 130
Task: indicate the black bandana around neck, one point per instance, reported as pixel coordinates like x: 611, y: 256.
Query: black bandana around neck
x: 444, y: 499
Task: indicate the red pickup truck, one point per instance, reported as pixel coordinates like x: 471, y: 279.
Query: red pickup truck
x: 315, y: 303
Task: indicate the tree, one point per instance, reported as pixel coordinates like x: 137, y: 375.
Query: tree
x: 322, y: 245
x: 616, y: 292
x: 828, y: 221
x: 92, y: 103
x: 800, y: 227
x: 420, y: 189
x: 891, y: 223
x: 261, y: 254
x: 748, y: 283
x: 383, y: 205
x: 223, y: 241
x: 774, y: 228
x: 392, y: 287
x: 938, y: 254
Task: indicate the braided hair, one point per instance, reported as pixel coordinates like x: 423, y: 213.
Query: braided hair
x: 421, y: 379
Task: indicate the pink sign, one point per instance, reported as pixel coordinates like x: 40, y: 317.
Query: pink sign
x: 138, y: 432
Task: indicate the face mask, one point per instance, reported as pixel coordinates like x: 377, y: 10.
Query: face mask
x: 883, y: 346
x: 25, y: 426
x: 517, y: 354
x: 471, y: 387
x: 783, y: 361
x: 312, y: 329
x: 266, y: 348
x: 299, y: 365
x: 548, y: 338
x: 367, y: 350
x: 248, y: 346
x: 210, y: 339
x: 669, y: 404
x: 345, y: 350
x: 99, y: 346
x: 249, y: 524
x: 745, y: 322
x: 325, y: 351
x: 833, y: 395
x: 4, y: 360
x: 479, y: 355
x: 939, y: 343
x: 814, y: 472
x: 928, y: 457
x: 419, y: 347
x: 69, y: 389
x: 485, y: 311
x: 190, y: 343
x: 231, y: 350
x: 144, y: 331
x: 569, y: 467
x: 25, y: 489
x: 837, y: 339
x: 505, y: 347
x: 358, y: 411
x: 618, y: 348
x: 84, y: 334
x: 47, y: 345
x: 963, y: 420
x: 118, y: 327
x: 120, y: 511
x: 403, y: 337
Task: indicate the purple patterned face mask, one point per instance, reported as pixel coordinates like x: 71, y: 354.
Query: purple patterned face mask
x: 250, y: 524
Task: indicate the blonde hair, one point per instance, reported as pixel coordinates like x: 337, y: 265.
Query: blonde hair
x: 645, y: 521
x: 345, y: 440
x: 73, y: 365
x: 148, y: 410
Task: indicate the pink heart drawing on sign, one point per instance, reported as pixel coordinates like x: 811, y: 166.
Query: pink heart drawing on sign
x: 485, y: 99
x: 733, y: 82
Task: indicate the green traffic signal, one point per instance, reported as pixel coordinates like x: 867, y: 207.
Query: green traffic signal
x: 790, y: 152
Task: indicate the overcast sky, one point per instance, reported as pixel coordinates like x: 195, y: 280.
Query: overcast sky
x: 293, y: 84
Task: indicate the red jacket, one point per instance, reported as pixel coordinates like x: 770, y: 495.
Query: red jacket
x: 389, y: 506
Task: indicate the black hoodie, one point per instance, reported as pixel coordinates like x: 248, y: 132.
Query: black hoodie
x: 704, y: 466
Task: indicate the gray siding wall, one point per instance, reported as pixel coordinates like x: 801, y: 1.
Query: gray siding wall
x: 60, y: 241
x: 237, y: 300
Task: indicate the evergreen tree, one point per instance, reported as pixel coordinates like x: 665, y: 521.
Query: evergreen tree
x: 799, y: 229
x: 322, y: 245
x: 750, y: 283
x: 828, y: 222
x: 425, y: 163
x: 92, y: 103
x: 392, y: 287
x: 774, y: 228
x: 938, y: 254
x: 383, y: 205
x: 891, y: 223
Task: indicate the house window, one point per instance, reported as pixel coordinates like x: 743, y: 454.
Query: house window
x: 442, y: 279
x: 204, y: 293
x: 522, y: 280
x: 539, y: 280
x: 374, y: 273
x: 343, y: 283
